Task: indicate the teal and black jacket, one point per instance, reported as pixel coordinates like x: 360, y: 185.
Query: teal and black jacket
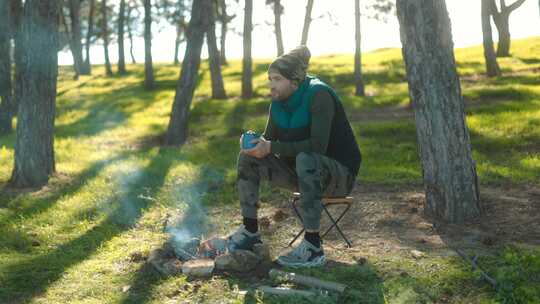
x: 313, y: 119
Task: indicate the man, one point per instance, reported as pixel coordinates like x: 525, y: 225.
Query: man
x: 307, y: 146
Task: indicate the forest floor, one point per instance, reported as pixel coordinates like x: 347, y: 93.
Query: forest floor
x: 86, y: 236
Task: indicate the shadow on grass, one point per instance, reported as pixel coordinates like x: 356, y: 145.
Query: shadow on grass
x: 31, y: 278
x: 108, y: 110
x: 41, y: 205
x: 529, y: 60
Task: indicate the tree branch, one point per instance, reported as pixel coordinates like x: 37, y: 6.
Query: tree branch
x: 515, y: 5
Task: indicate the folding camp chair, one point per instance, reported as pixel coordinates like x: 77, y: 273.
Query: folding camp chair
x: 326, y: 202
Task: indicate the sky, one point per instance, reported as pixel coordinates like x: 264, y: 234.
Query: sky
x: 328, y: 35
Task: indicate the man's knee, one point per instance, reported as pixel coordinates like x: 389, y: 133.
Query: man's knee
x: 306, y: 164
x: 247, y: 167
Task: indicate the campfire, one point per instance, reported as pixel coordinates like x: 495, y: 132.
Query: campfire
x: 199, y: 258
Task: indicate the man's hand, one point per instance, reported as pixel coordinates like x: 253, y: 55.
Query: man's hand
x: 261, y: 150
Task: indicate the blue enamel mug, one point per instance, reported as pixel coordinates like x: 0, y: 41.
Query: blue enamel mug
x: 247, y: 138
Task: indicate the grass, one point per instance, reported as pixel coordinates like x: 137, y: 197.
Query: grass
x: 71, y: 241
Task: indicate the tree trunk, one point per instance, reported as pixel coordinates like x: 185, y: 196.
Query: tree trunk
x: 148, y: 68
x: 501, y: 19
x: 6, y: 110
x: 177, y: 130
x: 177, y: 43
x: 76, y: 45
x: 359, y: 83
x: 130, y: 35
x: 87, y: 67
x: 17, y: 11
x: 105, y: 30
x: 247, y: 72
x: 121, y: 53
x: 503, y: 28
x: 218, y: 89
x: 224, y: 19
x: 63, y: 21
x: 307, y: 22
x: 492, y: 67
x: 34, y: 147
x: 278, y: 10
x: 449, y: 171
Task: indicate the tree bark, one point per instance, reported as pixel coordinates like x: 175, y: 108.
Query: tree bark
x: 34, y: 146
x: 121, y: 54
x: 247, y: 72
x: 501, y: 19
x: 177, y: 130
x: 74, y: 14
x: 503, y: 28
x: 130, y: 34
x: 63, y: 22
x: 224, y: 19
x: 449, y: 171
x: 87, y: 67
x: 307, y: 22
x: 16, y: 14
x: 148, y: 67
x: 358, y: 81
x: 105, y: 32
x: 492, y: 67
x: 177, y: 43
x: 278, y: 10
x: 6, y: 109
x: 218, y: 89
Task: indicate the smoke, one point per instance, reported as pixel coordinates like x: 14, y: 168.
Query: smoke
x: 124, y: 204
x: 192, y: 224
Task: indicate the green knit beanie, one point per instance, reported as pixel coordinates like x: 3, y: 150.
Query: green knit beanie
x: 293, y: 65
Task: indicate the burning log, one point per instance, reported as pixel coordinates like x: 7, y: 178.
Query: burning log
x: 213, y: 247
x: 306, y: 280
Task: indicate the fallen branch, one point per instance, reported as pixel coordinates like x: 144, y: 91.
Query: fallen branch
x: 475, y: 265
x: 283, y: 291
x: 306, y: 280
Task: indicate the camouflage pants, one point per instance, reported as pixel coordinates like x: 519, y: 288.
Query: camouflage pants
x: 314, y: 176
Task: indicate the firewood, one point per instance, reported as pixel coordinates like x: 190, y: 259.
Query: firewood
x: 306, y: 280
x: 283, y: 291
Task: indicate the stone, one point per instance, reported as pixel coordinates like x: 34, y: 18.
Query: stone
x: 164, y: 261
x: 172, y: 267
x: 248, y: 259
x: 199, y: 268
x: 225, y: 262
x: 361, y: 261
x: 238, y: 260
x: 417, y: 254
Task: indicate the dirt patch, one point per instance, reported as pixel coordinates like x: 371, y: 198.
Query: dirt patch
x: 388, y: 220
x: 392, y: 217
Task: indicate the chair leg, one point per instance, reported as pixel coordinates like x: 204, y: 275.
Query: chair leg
x: 293, y: 203
x: 335, y: 223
